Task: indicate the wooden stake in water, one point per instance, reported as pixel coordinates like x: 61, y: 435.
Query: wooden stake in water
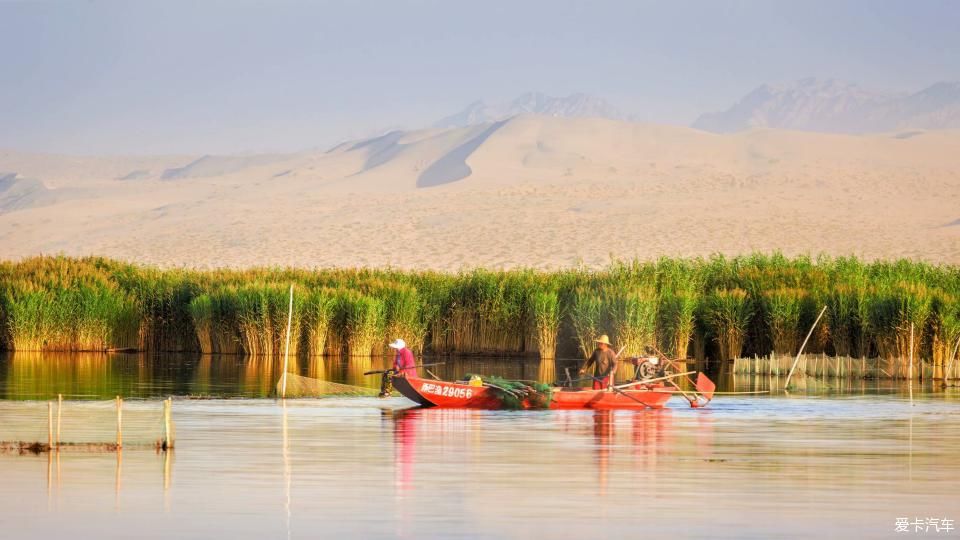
x: 286, y: 348
x: 119, y: 423
x: 59, y: 411
x: 49, y: 424
x: 167, y: 431
x: 797, y: 359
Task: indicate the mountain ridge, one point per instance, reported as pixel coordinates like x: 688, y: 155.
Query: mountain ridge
x: 834, y: 106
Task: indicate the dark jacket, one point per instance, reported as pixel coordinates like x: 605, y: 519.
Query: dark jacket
x: 604, y: 360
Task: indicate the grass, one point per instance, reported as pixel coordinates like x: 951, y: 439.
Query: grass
x: 718, y: 307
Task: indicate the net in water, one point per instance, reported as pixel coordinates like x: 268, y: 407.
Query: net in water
x: 83, y: 424
x: 299, y: 386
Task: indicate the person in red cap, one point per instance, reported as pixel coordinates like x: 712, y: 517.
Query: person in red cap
x: 404, y: 363
x: 604, y: 361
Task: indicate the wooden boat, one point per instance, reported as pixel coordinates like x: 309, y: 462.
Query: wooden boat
x: 437, y: 393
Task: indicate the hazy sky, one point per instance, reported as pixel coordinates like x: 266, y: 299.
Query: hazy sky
x: 232, y: 76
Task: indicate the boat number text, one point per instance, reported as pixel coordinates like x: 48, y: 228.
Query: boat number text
x: 447, y: 391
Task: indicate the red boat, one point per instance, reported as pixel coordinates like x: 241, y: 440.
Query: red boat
x: 436, y: 393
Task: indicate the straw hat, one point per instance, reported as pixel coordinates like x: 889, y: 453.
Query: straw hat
x: 398, y: 344
x: 603, y: 339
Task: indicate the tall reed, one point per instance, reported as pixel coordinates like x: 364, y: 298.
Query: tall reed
x: 586, y: 313
x: 545, y: 318
x: 782, y: 309
x: 365, y: 323
x: 727, y: 314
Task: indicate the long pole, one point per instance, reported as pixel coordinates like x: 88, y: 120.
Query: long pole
x: 797, y: 359
x: 648, y: 381
x: 286, y: 348
x: 953, y: 357
x: 50, y: 424
x: 910, y: 367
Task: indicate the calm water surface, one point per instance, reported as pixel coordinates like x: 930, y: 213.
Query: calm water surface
x: 830, y: 461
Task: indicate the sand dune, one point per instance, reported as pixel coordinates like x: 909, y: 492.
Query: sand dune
x: 530, y: 191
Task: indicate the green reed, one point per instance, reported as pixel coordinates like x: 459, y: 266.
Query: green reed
x: 721, y: 306
x: 727, y: 314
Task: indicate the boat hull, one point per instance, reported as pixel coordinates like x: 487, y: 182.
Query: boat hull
x: 433, y: 393
x: 566, y: 398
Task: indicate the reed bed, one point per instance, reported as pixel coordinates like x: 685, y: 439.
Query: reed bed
x: 825, y: 366
x: 719, y: 308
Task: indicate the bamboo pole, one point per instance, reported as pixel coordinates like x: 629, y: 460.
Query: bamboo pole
x: 797, y: 359
x: 119, y: 423
x: 286, y: 348
x: 59, y: 411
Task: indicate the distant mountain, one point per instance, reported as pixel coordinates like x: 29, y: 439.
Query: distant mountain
x: 573, y: 106
x: 838, y: 107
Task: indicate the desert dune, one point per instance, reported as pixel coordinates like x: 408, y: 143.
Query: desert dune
x: 531, y: 191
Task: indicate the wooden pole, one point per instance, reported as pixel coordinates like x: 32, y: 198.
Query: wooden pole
x: 648, y: 381
x: 119, y: 423
x: 59, y: 411
x: 797, y: 359
x: 167, y: 429
x: 50, y: 424
x: 910, y: 367
x: 286, y: 348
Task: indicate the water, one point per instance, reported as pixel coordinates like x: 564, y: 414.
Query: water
x: 828, y: 462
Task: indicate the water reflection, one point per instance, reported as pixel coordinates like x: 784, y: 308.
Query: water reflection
x: 404, y: 445
x: 41, y: 376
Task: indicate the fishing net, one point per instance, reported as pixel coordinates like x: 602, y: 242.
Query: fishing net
x: 82, y: 424
x: 299, y: 386
x: 519, y: 394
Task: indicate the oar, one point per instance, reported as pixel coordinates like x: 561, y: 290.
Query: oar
x: 378, y: 371
x: 674, y: 366
x: 621, y: 392
x: 569, y: 382
x: 647, y: 381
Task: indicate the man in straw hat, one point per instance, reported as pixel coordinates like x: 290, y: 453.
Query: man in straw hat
x: 404, y: 363
x: 604, y: 361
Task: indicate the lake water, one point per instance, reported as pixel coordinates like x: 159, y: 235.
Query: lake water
x: 837, y: 461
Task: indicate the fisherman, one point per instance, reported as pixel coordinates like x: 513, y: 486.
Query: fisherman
x: 403, y: 363
x: 604, y: 362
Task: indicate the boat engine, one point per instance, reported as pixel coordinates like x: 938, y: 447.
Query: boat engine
x: 648, y: 367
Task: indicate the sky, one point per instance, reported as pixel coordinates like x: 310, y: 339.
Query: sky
x: 170, y: 77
